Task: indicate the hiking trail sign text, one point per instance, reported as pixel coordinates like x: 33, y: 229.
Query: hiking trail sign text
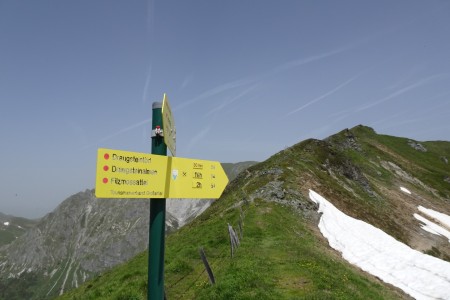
x: 124, y: 174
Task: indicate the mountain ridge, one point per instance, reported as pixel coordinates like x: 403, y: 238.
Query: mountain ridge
x: 358, y: 170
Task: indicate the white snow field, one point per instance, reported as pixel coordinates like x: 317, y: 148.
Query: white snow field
x: 417, y: 274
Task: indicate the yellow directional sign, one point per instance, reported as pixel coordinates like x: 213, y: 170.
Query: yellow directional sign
x: 124, y: 174
x: 194, y: 178
x: 168, y: 126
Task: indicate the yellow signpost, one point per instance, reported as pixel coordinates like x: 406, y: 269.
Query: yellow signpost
x: 194, y: 178
x: 168, y: 126
x: 124, y: 174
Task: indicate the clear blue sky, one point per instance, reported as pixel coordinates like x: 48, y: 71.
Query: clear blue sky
x: 245, y: 79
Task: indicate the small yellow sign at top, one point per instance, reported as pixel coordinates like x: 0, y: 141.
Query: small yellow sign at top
x: 168, y: 126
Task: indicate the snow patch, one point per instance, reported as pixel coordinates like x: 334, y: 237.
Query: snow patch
x: 417, y: 274
x: 405, y: 190
x: 442, y: 229
x: 6, y: 223
x: 432, y: 227
x: 442, y: 218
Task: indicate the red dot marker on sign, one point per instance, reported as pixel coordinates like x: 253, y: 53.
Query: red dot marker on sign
x: 106, y: 156
x: 106, y: 168
x: 105, y: 180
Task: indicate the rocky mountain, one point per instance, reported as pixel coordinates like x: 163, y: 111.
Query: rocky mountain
x: 82, y: 237
x: 261, y: 237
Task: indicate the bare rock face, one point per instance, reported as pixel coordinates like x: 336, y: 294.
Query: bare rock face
x: 447, y: 179
x: 185, y: 210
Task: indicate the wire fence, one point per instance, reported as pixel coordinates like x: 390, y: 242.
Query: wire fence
x: 235, y: 238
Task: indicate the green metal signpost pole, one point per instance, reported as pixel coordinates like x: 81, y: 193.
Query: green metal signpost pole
x: 157, y: 219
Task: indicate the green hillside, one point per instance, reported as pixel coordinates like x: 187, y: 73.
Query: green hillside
x: 279, y: 257
x: 15, y: 228
x: 282, y: 255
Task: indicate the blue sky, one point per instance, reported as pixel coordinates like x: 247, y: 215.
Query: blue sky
x: 245, y: 79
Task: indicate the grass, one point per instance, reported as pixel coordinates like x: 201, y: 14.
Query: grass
x: 281, y: 255
x: 428, y: 167
x: 6, y: 237
x: 9, y: 233
x: 279, y: 258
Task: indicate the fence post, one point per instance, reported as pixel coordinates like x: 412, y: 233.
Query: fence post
x: 241, y: 228
x: 231, y: 240
x: 207, y: 267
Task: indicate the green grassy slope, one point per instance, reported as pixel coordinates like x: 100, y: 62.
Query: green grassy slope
x: 17, y: 226
x: 279, y: 258
x: 282, y: 254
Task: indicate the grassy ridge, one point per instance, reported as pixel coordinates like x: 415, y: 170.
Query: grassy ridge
x: 279, y: 258
x: 430, y: 166
x: 282, y: 255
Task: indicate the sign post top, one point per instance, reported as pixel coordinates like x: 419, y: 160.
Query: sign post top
x: 168, y: 126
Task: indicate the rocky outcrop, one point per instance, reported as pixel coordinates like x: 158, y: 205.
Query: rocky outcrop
x: 417, y: 146
x: 447, y: 179
x: 346, y: 140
